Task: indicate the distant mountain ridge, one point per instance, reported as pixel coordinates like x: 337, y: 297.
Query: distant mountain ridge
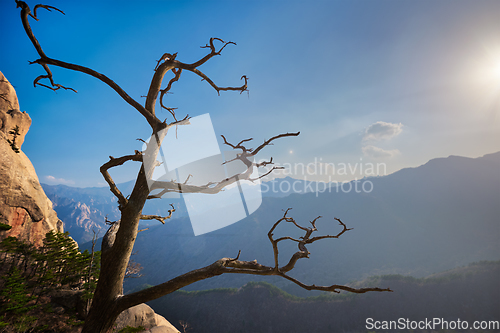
x: 84, y: 210
x: 415, y: 221
x: 468, y: 293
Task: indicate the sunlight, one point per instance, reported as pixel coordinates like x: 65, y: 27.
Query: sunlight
x: 496, y: 71
x: 484, y: 73
x: 492, y: 68
x: 481, y: 89
x: 491, y: 72
x: 487, y: 68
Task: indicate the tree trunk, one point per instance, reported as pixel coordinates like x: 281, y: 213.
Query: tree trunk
x: 108, y: 301
x: 104, y: 309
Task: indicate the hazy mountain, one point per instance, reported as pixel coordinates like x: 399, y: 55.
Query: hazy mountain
x: 416, y: 221
x: 83, y: 210
x: 467, y: 294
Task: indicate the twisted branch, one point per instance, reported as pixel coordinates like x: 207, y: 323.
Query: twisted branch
x: 170, y: 63
x: 215, y: 187
x: 159, y: 218
x: 236, y: 266
x: 177, y: 76
x: 44, y: 61
x: 113, y: 162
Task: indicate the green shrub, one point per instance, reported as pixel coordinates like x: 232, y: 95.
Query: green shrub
x: 130, y: 329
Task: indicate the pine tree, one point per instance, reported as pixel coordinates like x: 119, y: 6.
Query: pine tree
x: 14, y: 295
x: 4, y: 227
x: 35, y: 272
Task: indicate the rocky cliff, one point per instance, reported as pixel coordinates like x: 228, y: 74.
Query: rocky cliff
x: 23, y: 203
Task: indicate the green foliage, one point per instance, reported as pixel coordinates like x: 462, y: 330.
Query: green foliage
x: 130, y: 329
x: 14, y: 295
x: 15, y: 301
x: 272, y: 290
x: 31, y: 273
x: 25, y: 323
x: 141, y: 287
x: 4, y: 226
x: 15, y: 133
x: 48, y: 308
x: 65, y: 265
x: 75, y: 322
x: 42, y: 328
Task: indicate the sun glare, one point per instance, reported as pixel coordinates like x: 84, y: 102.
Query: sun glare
x: 496, y: 71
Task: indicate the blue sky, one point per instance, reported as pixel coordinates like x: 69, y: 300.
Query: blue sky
x: 393, y: 82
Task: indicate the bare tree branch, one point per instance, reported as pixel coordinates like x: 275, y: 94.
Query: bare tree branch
x: 170, y: 63
x: 165, y: 57
x: 159, y: 218
x: 133, y: 268
x: 213, y: 51
x: 177, y: 73
x: 236, y: 266
x: 216, y: 187
x: 113, y: 162
x: 219, y: 89
x: 44, y: 61
x: 117, y: 244
x: 334, y: 288
x: 45, y: 7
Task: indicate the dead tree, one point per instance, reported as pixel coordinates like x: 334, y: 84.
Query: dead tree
x: 109, y: 301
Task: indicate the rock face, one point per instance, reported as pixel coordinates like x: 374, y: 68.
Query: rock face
x: 143, y: 315
x: 23, y: 203
x: 10, y: 116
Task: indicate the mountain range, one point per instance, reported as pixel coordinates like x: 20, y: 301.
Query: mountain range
x: 470, y: 294
x: 416, y: 221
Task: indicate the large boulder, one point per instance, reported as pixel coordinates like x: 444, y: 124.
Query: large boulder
x: 23, y: 203
x: 143, y: 315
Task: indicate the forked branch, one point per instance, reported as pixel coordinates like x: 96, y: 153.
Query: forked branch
x: 113, y: 162
x: 215, y: 187
x: 44, y: 61
x: 168, y: 62
x: 162, y: 219
x: 235, y: 265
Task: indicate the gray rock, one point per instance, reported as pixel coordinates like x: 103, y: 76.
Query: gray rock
x: 143, y: 315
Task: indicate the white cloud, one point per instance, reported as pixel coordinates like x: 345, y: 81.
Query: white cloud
x: 376, y: 152
x: 382, y: 131
x: 54, y: 180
